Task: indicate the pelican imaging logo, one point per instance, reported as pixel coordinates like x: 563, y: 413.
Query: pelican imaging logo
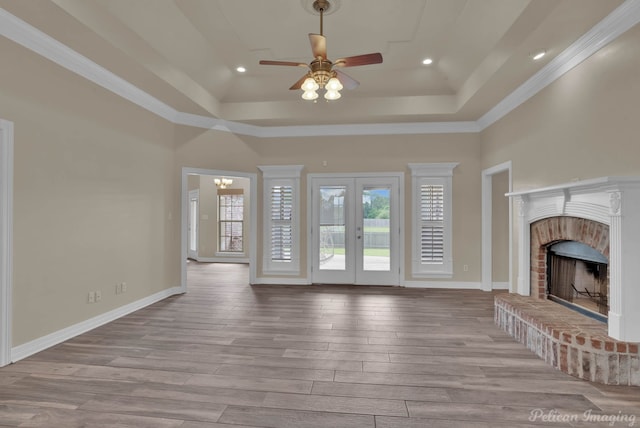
x: 611, y: 419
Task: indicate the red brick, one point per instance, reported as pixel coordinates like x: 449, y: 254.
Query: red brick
x: 596, y: 343
x: 609, y: 346
x: 563, y: 363
x: 621, y: 347
x: 633, y: 348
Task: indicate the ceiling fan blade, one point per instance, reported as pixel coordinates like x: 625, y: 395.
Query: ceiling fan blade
x: 299, y: 83
x: 318, y: 45
x: 352, y: 61
x: 346, y: 80
x: 289, y: 63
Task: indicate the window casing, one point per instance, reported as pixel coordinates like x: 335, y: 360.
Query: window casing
x: 281, y: 220
x: 432, y: 220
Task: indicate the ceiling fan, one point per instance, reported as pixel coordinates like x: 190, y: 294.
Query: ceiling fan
x: 324, y: 73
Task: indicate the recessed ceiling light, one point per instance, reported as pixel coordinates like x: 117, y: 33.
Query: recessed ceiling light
x: 539, y: 55
x: 427, y: 61
x: 241, y: 69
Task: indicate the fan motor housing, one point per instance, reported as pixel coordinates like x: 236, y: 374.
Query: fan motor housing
x: 321, y: 71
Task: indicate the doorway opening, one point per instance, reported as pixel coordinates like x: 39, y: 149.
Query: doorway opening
x: 219, y: 221
x: 497, y: 220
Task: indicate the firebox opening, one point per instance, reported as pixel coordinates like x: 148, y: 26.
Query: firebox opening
x: 577, y: 277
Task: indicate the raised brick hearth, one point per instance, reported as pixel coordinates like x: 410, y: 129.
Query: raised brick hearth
x: 568, y: 341
x: 604, y: 214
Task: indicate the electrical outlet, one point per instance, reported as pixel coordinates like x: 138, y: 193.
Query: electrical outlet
x: 123, y: 287
x: 465, y: 268
x: 91, y: 298
x: 98, y: 295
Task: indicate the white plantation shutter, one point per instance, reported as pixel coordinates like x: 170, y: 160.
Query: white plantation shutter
x: 432, y: 220
x: 431, y: 223
x: 281, y: 223
x: 281, y: 220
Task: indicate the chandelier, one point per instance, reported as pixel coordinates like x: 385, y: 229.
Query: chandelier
x: 222, y: 183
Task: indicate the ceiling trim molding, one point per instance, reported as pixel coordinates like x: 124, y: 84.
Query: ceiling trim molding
x: 612, y: 26
x: 13, y: 28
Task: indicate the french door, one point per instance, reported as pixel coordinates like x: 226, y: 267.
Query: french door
x: 355, y: 230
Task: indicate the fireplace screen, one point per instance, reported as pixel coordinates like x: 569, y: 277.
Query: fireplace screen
x: 577, y: 274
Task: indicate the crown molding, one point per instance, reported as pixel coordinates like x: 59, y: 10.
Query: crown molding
x: 13, y: 28
x: 616, y: 23
x: 611, y: 27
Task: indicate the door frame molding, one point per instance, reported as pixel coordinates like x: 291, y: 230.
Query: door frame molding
x: 401, y: 215
x: 487, y: 228
x: 184, y: 213
x: 191, y: 194
x: 6, y: 240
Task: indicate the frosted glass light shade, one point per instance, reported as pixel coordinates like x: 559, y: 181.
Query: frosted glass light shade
x: 309, y: 95
x: 333, y: 85
x: 310, y: 85
x: 332, y: 95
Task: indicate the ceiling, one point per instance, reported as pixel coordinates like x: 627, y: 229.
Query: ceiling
x: 185, y: 52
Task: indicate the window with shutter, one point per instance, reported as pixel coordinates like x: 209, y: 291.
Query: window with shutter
x: 281, y: 219
x: 281, y: 223
x: 432, y: 223
x: 432, y: 220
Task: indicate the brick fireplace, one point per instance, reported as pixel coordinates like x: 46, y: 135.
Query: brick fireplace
x: 562, y: 229
x: 603, y: 214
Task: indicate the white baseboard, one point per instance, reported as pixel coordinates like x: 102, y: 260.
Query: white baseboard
x: 222, y: 259
x: 455, y: 285
x: 40, y: 344
x: 500, y: 286
x: 281, y: 281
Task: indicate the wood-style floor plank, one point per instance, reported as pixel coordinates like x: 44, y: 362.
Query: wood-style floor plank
x: 230, y: 355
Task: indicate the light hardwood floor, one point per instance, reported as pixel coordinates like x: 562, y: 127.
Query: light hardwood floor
x: 230, y: 355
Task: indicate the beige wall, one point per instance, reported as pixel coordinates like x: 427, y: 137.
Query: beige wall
x: 94, y: 196
x: 392, y: 153
x: 584, y: 125
x: 217, y: 150
x: 208, y: 218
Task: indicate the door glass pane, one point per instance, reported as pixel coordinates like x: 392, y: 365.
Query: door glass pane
x: 332, y: 228
x: 376, y: 245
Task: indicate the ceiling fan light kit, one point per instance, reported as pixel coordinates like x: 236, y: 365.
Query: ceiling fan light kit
x: 322, y: 73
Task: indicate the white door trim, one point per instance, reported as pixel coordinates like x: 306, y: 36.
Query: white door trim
x: 6, y: 240
x: 401, y: 215
x: 487, y: 230
x: 253, y: 220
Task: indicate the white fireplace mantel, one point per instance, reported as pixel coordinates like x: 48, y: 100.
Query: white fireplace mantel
x: 614, y: 201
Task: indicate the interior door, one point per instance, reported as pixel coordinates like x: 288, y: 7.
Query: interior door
x: 192, y: 226
x: 355, y: 230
